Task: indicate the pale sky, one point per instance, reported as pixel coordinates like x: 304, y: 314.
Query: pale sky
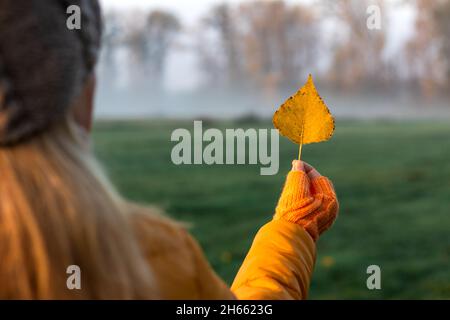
x: 187, y: 10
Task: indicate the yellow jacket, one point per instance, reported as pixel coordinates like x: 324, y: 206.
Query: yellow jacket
x: 279, y: 264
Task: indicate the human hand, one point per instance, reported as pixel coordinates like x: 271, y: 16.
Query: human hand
x: 308, y: 199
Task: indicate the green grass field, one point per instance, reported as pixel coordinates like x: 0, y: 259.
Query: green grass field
x: 392, y: 179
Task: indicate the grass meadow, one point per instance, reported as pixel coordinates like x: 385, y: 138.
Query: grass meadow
x: 392, y: 179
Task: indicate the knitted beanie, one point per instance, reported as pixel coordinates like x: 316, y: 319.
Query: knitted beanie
x: 43, y: 64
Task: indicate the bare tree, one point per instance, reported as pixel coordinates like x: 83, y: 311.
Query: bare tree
x: 358, y: 51
x: 111, y: 42
x: 261, y: 44
x: 281, y: 43
x: 428, y: 50
x: 148, y: 40
x: 138, y: 53
x: 219, y: 48
x: 160, y: 31
x: 441, y: 15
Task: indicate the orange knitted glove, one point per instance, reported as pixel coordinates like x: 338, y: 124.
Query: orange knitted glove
x: 308, y: 199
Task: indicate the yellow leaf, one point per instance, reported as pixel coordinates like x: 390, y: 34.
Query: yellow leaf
x: 304, y: 118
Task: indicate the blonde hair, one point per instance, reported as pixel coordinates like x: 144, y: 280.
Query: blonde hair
x: 57, y: 210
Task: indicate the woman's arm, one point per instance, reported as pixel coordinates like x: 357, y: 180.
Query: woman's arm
x: 280, y: 262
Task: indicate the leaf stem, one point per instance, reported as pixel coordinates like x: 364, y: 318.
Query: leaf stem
x: 301, y: 142
x: 300, y: 151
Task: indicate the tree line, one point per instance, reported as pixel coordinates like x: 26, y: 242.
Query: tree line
x: 274, y: 45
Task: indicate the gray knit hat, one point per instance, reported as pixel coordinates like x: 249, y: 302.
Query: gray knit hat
x: 43, y: 64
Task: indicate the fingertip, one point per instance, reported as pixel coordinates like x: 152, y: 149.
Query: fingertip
x: 297, y: 165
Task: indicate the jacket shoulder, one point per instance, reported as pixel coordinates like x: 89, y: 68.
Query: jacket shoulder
x: 157, y: 233
x: 175, y: 258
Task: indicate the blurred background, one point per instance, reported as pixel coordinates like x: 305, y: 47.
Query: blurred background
x: 231, y: 64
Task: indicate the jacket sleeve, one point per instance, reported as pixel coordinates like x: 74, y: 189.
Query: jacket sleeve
x: 279, y: 264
